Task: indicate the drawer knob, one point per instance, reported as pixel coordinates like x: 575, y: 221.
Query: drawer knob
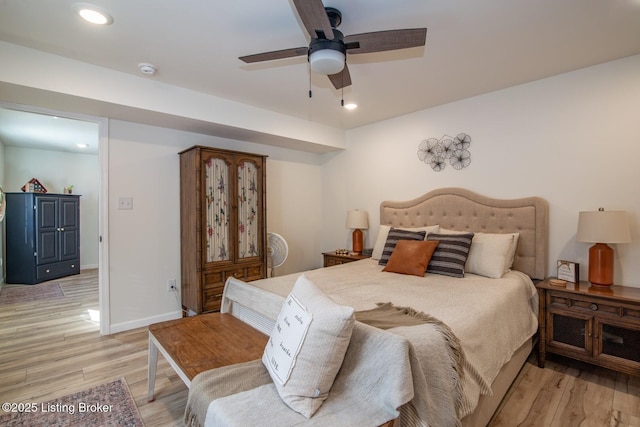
x: 46, y: 271
x: 594, y: 306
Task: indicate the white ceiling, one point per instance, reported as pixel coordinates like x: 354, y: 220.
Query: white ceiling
x: 44, y: 132
x: 473, y: 47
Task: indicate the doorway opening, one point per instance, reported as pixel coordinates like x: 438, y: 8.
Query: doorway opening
x: 27, y: 129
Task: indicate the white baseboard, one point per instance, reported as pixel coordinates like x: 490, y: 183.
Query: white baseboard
x: 141, y: 323
x: 88, y: 266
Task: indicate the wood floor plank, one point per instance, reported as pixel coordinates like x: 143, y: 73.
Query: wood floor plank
x: 625, y: 396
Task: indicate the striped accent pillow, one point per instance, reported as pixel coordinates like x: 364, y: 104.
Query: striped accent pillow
x: 450, y: 255
x: 394, y: 235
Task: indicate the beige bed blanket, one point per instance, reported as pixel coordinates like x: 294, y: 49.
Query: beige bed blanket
x: 381, y: 373
x: 491, y: 317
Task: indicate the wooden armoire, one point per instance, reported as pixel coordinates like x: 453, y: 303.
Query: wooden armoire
x: 222, y: 223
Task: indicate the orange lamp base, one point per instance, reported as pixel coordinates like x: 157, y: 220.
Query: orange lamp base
x: 601, y: 265
x: 357, y: 241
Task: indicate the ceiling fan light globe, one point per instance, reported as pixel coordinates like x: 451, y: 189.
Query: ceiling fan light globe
x: 327, y: 61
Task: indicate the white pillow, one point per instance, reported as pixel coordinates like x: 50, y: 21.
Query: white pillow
x: 381, y: 240
x: 492, y: 254
x: 307, y: 346
x: 449, y: 231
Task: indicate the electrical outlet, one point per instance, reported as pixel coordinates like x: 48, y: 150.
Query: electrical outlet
x: 125, y: 203
x: 171, y: 285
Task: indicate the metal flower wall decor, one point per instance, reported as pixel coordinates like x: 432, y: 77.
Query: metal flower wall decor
x: 438, y: 152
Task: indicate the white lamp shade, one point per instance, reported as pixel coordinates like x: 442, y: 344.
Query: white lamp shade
x: 603, y: 227
x: 357, y: 220
x: 326, y: 61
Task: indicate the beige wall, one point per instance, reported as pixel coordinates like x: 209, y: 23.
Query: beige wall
x: 56, y: 170
x: 572, y: 139
x: 144, y: 242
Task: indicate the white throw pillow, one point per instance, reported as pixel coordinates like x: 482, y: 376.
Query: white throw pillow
x: 492, y: 254
x: 307, y: 346
x: 381, y: 240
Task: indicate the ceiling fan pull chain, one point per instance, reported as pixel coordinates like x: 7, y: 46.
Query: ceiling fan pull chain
x: 342, y: 88
x: 309, y: 73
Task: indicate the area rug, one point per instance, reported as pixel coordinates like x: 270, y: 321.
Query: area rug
x: 109, y: 404
x: 10, y: 294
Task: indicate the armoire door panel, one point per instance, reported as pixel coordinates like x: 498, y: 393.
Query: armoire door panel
x: 69, y: 213
x: 69, y: 247
x: 47, y: 213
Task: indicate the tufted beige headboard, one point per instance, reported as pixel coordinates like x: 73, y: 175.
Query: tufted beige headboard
x: 464, y: 210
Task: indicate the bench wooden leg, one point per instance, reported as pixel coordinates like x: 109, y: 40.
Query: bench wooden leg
x: 153, y: 364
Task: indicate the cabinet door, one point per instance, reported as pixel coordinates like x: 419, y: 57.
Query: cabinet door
x: 570, y: 332
x: 217, y: 206
x: 617, y: 342
x: 47, y: 229
x: 69, y: 229
x: 250, y: 208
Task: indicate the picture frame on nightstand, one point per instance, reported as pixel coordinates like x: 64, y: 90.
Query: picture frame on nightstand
x: 569, y: 271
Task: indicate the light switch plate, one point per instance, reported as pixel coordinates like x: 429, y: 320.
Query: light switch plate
x: 125, y: 203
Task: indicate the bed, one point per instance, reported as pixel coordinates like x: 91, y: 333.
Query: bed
x: 494, y: 318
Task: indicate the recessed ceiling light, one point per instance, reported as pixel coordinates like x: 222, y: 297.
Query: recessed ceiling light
x: 93, y: 14
x: 82, y: 145
x: 351, y: 106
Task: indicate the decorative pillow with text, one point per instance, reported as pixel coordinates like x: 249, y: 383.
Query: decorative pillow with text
x: 307, y: 346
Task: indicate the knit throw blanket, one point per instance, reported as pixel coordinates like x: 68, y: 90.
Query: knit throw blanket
x: 387, y: 316
x: 383, y: 377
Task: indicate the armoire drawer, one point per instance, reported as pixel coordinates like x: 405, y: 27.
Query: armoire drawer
x: 57, y: 269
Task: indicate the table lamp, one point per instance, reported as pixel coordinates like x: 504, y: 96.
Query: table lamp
x: 357, y: 221
x: 602, y: 227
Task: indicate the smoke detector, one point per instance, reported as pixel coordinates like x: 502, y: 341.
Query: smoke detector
x: 148, y: 69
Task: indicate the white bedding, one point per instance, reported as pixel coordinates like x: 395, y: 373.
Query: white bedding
x: 491, y: 317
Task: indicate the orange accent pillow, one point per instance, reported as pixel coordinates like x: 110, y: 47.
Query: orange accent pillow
x: 411, y: 257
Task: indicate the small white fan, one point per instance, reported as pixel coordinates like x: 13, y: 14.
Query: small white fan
x: 277, y: 252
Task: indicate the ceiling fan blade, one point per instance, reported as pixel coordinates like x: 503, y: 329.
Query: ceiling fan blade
x: 276, y: 54
x: 314, y: 17
x: 380, y: 41
x: 341, y: 79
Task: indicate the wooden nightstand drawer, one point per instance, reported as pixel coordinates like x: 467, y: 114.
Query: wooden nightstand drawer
x: 633, y: 313
x: 331, y: 258
x: 561, y: 300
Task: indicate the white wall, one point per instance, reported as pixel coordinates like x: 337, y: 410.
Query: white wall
x: 56, y: 170
x: 145, y: 241
x: 573, y: 139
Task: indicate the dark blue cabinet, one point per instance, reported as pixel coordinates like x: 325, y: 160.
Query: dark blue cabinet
x: 43, y: 237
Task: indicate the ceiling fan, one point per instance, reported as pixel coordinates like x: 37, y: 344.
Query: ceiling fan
x: 327, y: 50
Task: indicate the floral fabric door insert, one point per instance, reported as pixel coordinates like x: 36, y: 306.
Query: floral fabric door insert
x: 247, y: 210
x: 217, y: 206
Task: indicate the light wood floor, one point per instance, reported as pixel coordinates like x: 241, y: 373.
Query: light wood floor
x: 52, y: 348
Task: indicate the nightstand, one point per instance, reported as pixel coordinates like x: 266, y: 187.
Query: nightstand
x: 590, y: 323
x: 331, y: 258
